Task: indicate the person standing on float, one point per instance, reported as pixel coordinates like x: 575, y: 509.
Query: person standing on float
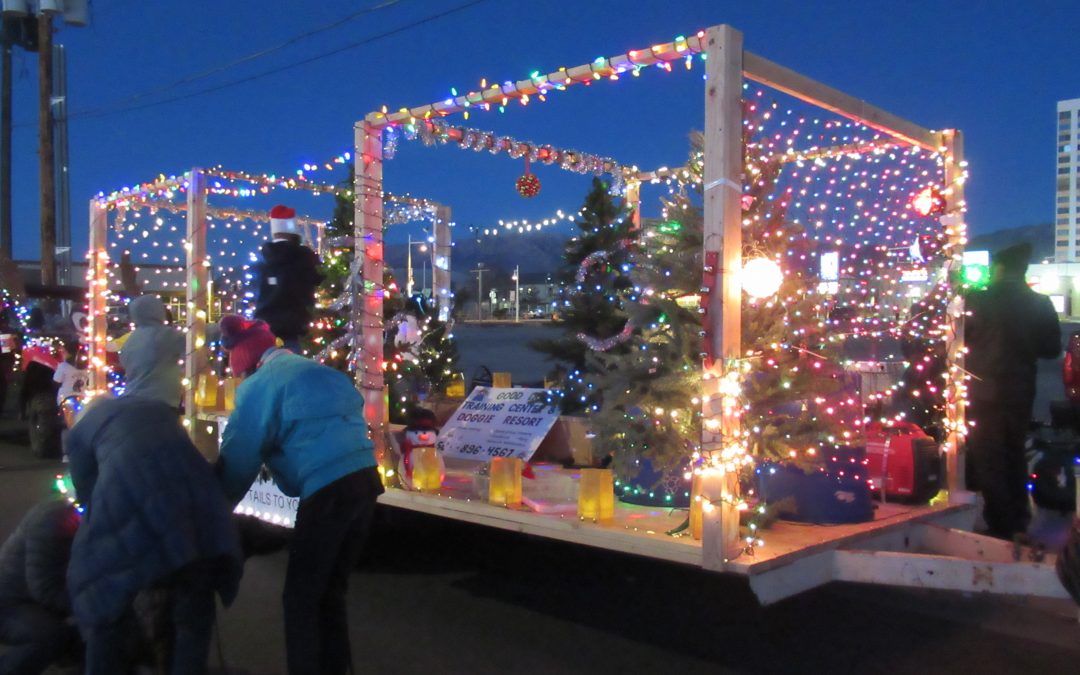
x: 1007, y: 329
x: 286, y: 278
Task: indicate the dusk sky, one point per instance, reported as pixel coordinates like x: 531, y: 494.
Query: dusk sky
x: 993, y: 69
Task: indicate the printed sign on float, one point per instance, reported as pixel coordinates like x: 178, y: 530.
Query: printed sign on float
x: 263, y: 499
x: 494, y: 422
x: 266, y: 502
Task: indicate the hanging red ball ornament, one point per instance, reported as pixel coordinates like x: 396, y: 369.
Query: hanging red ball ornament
x: 528, y: 185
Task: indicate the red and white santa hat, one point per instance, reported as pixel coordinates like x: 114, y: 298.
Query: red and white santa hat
x: 283, y: 220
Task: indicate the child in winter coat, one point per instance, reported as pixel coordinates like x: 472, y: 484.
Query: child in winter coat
x: 34, y: 603
x: 287, y: 277
x: 152, y: 353
x: 305, y: 421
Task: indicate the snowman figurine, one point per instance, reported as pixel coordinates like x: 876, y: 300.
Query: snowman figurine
x: 421, y: 466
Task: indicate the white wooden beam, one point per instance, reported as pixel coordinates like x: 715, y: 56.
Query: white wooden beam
x: 368, y: 291
x: 98, y: 295
x: 501, y: 94
x: 440, y: 263
x: 948, y: 573
x: 956, y: 237
x: 722, y: 240
x: 198, y: 274
x: 801, y: 87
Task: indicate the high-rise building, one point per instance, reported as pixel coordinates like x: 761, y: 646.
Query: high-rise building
x: 1067, y: 206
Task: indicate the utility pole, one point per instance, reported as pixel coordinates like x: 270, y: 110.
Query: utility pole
x: 517, y: 293
x: 7, y: 40
x: 63, y: 179
x: 480, y: 290
x: 46, y: 163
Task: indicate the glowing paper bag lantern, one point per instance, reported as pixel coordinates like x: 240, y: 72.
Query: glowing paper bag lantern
x: 596, y: 495
x: 505, y: 487
x: 696, y: 508
x: 230, y: 393
x: 426, y: 468
x: 761, y: 278
x: 456, y: 386
x: 501, y: 380
x: 206, y: 391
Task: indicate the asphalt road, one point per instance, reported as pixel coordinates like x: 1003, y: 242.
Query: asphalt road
x: 435, y: 596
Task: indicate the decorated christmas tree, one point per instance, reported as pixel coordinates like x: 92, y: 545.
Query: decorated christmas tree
x: 594, y: 278
x: 419, y: 352
x: 648, y: 417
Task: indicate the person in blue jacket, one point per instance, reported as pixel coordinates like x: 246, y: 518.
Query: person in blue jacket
x: 155, y: 518
x: 305, y: 422
x: 34, y: 604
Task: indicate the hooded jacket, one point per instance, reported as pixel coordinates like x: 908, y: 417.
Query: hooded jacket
x: 287, y: 277
x: 1008, y: 327
x: 34, y: 559
x: 151, y: 355
x: 304, y: 420
x: 153, y: 506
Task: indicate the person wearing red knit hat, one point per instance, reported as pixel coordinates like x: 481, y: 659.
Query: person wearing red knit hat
x: 305, y: 422
x: 285, y: 279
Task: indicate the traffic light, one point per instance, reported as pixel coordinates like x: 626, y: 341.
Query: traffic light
x: 975, y: 273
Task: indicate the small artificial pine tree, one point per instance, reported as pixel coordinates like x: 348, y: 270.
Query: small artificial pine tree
x: 330, y: 324
x: 420, y: 353
x: 427, y: 364
x: 647, y: 391
x: 592, y: 290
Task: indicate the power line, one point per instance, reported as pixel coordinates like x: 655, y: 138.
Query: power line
x: 243, y: 59
x: 257, y: 76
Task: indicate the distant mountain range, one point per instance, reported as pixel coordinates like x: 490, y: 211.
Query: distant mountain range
x: 539, y: 254
x: 1041, y: 238
x: 536, y: 253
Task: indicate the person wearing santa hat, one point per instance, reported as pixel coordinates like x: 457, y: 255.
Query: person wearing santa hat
x: 286, y: 279
x: 305, y: 422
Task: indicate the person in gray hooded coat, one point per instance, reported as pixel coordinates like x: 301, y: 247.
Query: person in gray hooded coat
x: 155, y: 517
x: 152, y: 353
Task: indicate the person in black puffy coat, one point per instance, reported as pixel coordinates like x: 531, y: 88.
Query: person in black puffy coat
x: 286, y: 278
x: 1008, y: 328
x: 34, y: 604
x: 156, y: 517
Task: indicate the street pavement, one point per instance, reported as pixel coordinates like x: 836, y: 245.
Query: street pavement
x: 435, y: 596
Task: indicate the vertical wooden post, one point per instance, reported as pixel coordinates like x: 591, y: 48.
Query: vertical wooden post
x: 952, y: 142
x: 368, y: 292
x: 722, y: 237
x: 198, y: 274
x: 633, y: 201
x: 98, y: 284
x: 440, y: 263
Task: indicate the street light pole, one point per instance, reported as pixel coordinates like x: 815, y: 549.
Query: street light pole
x: 408, y: 270
x: 517, y: 293
x: 480, y: 290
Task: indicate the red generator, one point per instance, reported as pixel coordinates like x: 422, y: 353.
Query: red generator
x: 903, y: 459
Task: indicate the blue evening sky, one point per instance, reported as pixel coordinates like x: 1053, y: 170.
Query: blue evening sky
x: 992, y: 68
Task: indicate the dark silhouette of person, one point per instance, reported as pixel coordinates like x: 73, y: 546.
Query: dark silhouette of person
x: 287, y: 276
x: 1008, y: 328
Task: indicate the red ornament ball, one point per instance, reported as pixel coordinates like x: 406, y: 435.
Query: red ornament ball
x: 528, y: 185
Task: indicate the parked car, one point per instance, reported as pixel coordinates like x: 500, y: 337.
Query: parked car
x: 1071, y: 368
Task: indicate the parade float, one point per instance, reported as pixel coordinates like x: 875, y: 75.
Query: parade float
x: 816, y: 228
